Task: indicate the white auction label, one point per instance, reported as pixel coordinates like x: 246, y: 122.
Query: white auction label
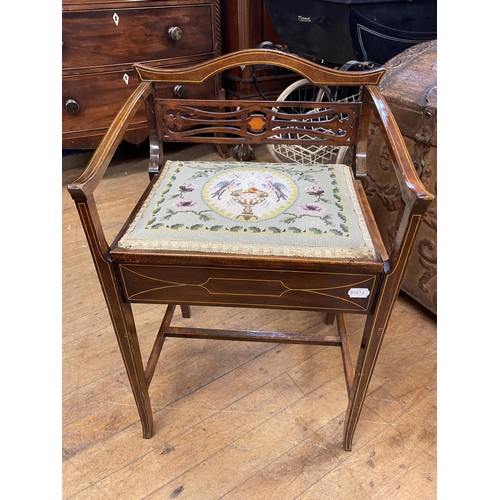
x: 358, y: 293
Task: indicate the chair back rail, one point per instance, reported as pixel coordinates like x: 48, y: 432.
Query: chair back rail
x: 317, y: 74
x: 257, y: 122
x: 250, y: 121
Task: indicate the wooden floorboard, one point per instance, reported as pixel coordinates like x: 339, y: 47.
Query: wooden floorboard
x: 234, y: 420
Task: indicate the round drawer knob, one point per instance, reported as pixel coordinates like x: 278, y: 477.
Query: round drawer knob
x: 72, y: 107
x: 175, y: 33
x: 180, y: 91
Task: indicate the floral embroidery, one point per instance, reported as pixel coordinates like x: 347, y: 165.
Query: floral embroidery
x: 311, y: 208
x: 186, y: 205
x: 315, y: 191
x: 187, y: 187
x: 251, y: 208
x: 255, y: 193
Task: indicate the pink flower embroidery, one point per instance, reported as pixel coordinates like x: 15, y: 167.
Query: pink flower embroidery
x: 187, y: 187
x: 311, y: 208
x: 185, y: 205
x: 315, y: 191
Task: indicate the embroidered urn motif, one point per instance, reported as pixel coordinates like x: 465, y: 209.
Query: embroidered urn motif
x: 249, y: 198
x: 250, y: 193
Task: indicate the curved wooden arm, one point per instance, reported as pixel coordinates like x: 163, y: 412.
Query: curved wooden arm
x: 412, y: 189
x: 82, y: 189
x: 414, y: 194
x: 86, y: 183
x: 317, y: 74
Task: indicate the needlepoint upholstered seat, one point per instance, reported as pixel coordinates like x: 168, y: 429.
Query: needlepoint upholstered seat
x: 253, y: 209
x: 253, y: 234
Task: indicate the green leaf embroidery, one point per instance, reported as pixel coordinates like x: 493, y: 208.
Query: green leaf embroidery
x: 169, y: 214
x: 327, y: 219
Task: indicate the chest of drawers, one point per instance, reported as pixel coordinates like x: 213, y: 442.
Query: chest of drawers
x: 103, y: 39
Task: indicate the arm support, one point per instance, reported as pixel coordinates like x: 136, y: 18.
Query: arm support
x: 82, y: 189
x: 86, y: 183
x: 415, y: 196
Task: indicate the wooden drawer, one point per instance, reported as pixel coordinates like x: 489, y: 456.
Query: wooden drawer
x: 99, y: 96
x: 171, y: 284
x: 128, y: 35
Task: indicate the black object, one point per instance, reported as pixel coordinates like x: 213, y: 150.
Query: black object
x: 336, y: 31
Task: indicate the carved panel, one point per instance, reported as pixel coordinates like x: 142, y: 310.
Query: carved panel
x: 237, y: 122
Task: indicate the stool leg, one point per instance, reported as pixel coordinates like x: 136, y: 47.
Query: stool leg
x: 186, y: 311
x: 370, y: 343
x: 120, y: 312
x: 373, y: 334
x: 126, y: 336
x: 330, y: 318
x: 376, y: 325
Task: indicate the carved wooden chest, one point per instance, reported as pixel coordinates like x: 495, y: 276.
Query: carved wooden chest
x: 411, y: 90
